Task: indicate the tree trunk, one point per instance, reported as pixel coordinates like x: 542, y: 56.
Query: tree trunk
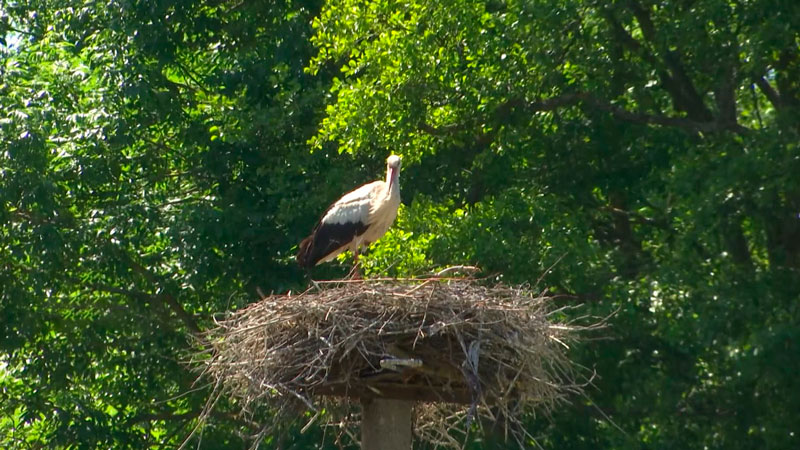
x: 385, y: 424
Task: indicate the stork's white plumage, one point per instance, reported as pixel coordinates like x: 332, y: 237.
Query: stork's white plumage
x: 356, y: 220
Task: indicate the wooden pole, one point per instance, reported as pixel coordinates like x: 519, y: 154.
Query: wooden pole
x: 385, y: 424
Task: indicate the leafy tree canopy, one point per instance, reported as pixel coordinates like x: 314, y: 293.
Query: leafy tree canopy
x: 646, y: 148
x: 635, y: 156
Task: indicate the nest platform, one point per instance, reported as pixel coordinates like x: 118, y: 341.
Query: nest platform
x: 467, y: 349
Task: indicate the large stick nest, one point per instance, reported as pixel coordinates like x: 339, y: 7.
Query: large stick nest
x: 477, y: 351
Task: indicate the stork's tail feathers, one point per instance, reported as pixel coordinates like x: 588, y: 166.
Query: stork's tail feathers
x: 304, y: 253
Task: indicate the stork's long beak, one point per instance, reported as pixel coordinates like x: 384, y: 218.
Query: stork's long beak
x: 392, y: 176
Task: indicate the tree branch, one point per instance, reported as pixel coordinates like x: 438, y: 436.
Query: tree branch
x: 136, y: 295
x: 786, y: 75
x: 444, y: 130
x: 185, y: 317
x: 725, y: 96
x: 697, y: 109
x: 505, y: 109
x: 675, y: 122
x: 168, y: 415
x: 21, y: 31
x: 172, y: 303
x: 667, y: 81
x: 772, y: 95
x: 163, y: 314
x: 550, y: 104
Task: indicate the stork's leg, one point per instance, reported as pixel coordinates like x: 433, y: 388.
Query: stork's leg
x: 356, y: 267
x: 355, y: 274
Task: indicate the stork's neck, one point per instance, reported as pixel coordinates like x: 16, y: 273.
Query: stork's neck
x: 393, y: 179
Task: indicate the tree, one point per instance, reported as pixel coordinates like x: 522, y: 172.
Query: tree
x: 633, y: 156
x: 142, y: 145
x: 645, y: 149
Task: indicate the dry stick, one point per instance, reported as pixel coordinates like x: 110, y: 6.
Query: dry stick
x: 422, y: 322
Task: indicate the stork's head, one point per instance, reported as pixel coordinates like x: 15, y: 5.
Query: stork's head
x: 393, y: 162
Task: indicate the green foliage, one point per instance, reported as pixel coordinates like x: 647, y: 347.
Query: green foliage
x: 649, y: 148
x: 141, y: 154
x: 638, y: 157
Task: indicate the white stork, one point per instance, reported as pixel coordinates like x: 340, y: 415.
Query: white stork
x: 356, y: 220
